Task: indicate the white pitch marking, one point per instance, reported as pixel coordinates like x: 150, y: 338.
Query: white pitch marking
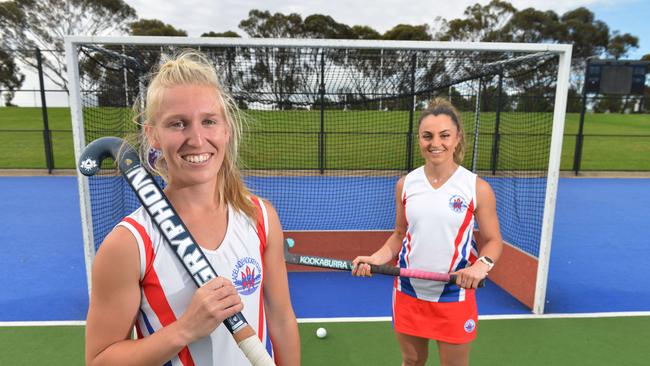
x: 613, y: 314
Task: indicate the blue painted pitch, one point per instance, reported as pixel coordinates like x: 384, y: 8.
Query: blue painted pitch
x: 599, y: 251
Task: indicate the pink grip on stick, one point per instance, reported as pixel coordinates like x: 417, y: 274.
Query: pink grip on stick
x: 424, y: 275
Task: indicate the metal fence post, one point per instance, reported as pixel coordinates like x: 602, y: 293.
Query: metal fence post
x: 409, y: 136
x: 497, y: 136
x: 47, y: 136
x: 321, y: 135
x: 577, y: 155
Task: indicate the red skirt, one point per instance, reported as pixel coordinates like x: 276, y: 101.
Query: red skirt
x: 450, y: 322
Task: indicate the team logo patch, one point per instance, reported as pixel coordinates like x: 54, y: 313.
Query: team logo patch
x: 458, y: 204
x: 470, y: 325
x: 247, y: 276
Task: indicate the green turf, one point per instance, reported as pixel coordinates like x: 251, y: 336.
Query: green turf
x: 52, y: 345
x: 530, y: 342
x: 612, y: 141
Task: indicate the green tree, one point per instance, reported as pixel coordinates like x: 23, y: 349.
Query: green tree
x: 264, y: 25
x: 533, y: 26
x: 588, y: 36
x: 225, y: 61
x: 116, y: 71
x: 392, y: 69
x: 620, y: 44
x: 365, y: 32
x: 324, y: 26
x: 226, y: 34
x: 155, y: 27
x: 10, y: 77
x: 405, y: 32
x: 481, y: 23
x: 280, y: 73
x: 500, y: 21
x: 27, y: 25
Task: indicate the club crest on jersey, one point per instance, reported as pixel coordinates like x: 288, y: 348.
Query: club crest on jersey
x: 247, y: 276
x: 457, y: 204
x: 470, y: 325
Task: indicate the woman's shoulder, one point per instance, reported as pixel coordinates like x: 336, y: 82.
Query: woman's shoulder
x: 137, y: 228
x: 119, y: 248
x: 482, y: 185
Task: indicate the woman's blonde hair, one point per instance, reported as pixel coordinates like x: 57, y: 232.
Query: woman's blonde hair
x: 191, y: 67
x: 440, y: 106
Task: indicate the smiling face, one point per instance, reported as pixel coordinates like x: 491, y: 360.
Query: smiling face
x: 438, y: 138
x: 192, y: 132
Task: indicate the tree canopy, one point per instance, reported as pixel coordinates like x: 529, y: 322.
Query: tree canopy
x: 496, y: 21
x: 324, y: 26
x: 10, y: 76
x: 227, y: 34
x: 154, y: 27
x: 406, y: 32
x: 620, y: 44
x: 27, y: 25
x: 266, y: 25
x: 500, y: 21
x: 480, y: 23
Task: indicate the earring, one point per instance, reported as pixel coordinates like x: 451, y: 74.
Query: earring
x: 152, y: 156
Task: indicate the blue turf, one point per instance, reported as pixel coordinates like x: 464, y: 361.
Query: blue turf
x: 601, y: 247
x: 339, y: 294
x: 600, y: 251
x: 42, y: 270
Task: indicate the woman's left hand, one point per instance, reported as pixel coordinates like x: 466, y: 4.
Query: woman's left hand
x: 471, y: 276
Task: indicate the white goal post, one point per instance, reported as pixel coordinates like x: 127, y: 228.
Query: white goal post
x: 561, y: 54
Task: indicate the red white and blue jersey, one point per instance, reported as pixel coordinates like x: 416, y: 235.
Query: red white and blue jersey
x: 167, y: 289
x: 439, y: 230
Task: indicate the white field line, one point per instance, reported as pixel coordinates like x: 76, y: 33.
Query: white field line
x: 44, y: 323
x: 375, y: 319
x: 487, y: 317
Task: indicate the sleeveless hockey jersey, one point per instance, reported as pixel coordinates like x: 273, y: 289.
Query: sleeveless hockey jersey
x: 167, y: 288
x: 439, y: 230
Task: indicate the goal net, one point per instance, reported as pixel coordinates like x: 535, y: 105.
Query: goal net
x: 332, y: 125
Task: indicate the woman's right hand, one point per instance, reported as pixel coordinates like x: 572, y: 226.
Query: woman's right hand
x: 361, y: 266
x: 214, y: 302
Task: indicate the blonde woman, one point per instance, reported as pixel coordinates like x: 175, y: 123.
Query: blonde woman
x: 137, y: 281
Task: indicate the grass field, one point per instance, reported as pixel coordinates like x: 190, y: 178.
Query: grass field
x: 355, y: 140
x: 531, y: 342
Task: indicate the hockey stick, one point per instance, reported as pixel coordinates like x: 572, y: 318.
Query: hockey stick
x: 172, y: 229
x: 345, y: 265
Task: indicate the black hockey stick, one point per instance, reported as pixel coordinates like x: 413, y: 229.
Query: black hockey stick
x: 345, y: 265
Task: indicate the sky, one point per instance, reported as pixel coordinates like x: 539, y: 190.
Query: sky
x: 200, y: 16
